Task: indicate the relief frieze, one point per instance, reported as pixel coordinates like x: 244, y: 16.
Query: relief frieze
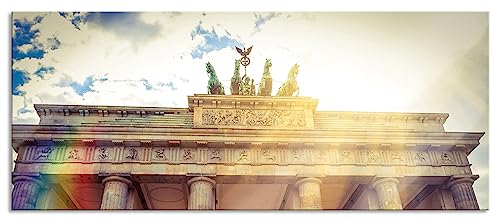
x: 261, y: 155
x: 265, y: 118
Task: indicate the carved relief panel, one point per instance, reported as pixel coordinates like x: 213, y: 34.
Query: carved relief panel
x: 269, y: 156
x: 396, y: 157
x: 420, y: 158
x: 242, y: 155
x: 259, y: 118
x: 44, y: 153
x: 188, y: 155
x: 160, y: 154
x: 446, y: 157
x: 372, y: 156
x: 215, y: 155
x: 346, y: 156
x: 296, y: 155
x: 131, y: 153
x: 74, y: 154
x: 104, y: 153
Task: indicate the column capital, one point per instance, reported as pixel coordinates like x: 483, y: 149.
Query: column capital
x: 36, y: 180
x: 201, y: 193
x: 384, y: 180
x: 115, y: 192
x: 117, y: 178
x: 309, y: 191
x: 201, y: 178
x: 308, y: 179
x: 457, y: 180
x: 462, y: 191
x: 26, y: 191
x: 388, y: 193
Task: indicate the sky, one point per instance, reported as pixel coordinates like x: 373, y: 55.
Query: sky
x: 370, y: 61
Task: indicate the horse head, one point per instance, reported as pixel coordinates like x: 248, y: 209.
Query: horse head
x: 210, y: 70
x: 236, y: 67
x: 293, y: 71
x: 268, y: 64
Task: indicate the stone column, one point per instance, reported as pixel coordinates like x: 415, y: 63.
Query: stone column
x: 201, y: 193
x: 25, y: 192
x: 115, y: 192
x: 295, y: 199
x: 463, y: 193
x: 388, y: 193
x: 309, y: 190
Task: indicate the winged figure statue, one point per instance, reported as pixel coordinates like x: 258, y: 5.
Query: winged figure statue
x: 244, y: 52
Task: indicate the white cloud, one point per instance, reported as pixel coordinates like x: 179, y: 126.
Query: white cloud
x: 29, y: 65
x: 25, y: 48
x: 18, y: 103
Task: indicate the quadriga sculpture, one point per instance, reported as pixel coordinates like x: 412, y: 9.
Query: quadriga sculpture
x: 290, y: 86
x: 266, y: 84
x: 246, y: 88
x: 214, y: 85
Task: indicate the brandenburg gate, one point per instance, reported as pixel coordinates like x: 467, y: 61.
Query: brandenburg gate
x: 240, y: 152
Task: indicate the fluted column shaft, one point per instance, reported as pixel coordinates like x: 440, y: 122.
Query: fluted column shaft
x: 388, y: 193
x: 201, y: 193
x: 115, y: 192
x: 309, y: 190
x: 25, y: 192
x: 463, y: 193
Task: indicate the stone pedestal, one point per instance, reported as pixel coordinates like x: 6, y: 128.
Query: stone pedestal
x: 25, y: 192
x: 388, y: 193
x: 463, y: 193
x: 201, y: 193
x: 309, y: 190
x: 115, y: 192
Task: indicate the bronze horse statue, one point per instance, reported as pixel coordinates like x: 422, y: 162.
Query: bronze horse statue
x: 236, y: 80
x: 214, y: 85
x: 266, y: 84
x: 290, y: 86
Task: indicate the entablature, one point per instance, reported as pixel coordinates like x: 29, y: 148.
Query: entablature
x: 239, y: 112
x: 380, y: 121
x: 26, y: 134
x: 92, y: 115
